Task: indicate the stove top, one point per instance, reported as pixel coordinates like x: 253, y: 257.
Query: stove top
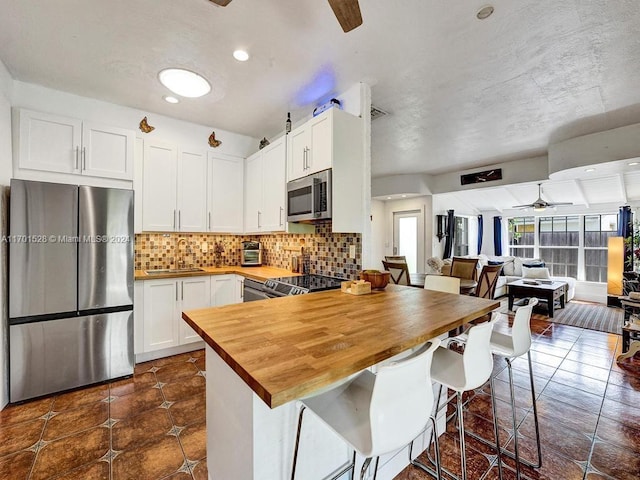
x: 284, y: 286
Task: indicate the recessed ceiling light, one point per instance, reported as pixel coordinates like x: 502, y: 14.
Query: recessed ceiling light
x: 590, y: 170
x: 241, y: 55
x: 388, y: 198
x: 170, y: 99
x: 404, y: 196
x: 184, y: 82
x: 484, y: 12
x: 633, y: 164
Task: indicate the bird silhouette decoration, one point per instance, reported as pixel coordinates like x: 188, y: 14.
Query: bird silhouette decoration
x: 145, y: 127
x: 212, y: 140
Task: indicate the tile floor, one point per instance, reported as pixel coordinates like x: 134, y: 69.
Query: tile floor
x: 152, y: 426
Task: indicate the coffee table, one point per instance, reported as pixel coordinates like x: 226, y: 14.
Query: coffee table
x: 550, y: 292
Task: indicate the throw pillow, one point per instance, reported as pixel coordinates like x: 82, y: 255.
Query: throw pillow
x: 535, y: 273
x: 539, y: 264
x: 509, y: 267
x: 496, y: 262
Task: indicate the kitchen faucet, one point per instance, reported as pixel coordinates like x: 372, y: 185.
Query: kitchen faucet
x: 179, y: 254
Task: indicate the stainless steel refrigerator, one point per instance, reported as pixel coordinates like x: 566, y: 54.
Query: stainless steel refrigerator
x: 70, y: 287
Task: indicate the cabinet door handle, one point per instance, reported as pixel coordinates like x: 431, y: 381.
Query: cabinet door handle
x: 174, y: 219
x: 84, y: 158
x: 77, y: 155
x: 258, y: 218
x: 280, y: 216
x: 182, y: 291
x: 209, y: 227
x: 179, y: 220
x: 306, y: 158
x: 241, y: 289
x: 176, y: 291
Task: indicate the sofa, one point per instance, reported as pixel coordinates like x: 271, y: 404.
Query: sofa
x: 516, y: 268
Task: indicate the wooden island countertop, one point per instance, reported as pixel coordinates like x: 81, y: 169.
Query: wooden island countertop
x: 286, y: 348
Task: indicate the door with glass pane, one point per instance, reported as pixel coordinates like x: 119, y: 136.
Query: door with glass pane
x: 408, y: 238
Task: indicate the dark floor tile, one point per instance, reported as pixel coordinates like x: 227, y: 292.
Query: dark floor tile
x: 585, y: 369
x: 201, y: 363
x: 189, y: 410
x: 507, y: 473
x: 554, y: 467
x: 481, y: 405
x: 25, y: 412
x: 198, y: 353
x: 521, y: 379
x: 573, y: 396
x: 477, y: 463
x: 624, y: 395
x: 581, y: 382
x: 604, y: 351
x: 622, y: 413
x: 597, y: 476
x: 616, y: 433
x: 630, y: 366
x: 141, y: 368
x: 174, y: 371
x: 78, y: 398
x: 566, y: 442
x: 522, y: 396
x: 69, y: 422
x: 184, y: 388
x: 593, y: 360
x: 150, y: 461
x: 619, y: 463
x: 563, y: 343
x: 71, y: 452
x: 179, y: 476
x: 14, y: 438
x: 94, y: 471
x: 624, y: 379
x: 181, y: 358
x: 136, y: 430
x: 135, y: 403
x: 563, y: 416
x: 133, y: 384
x: 17, y: 466
x: 545, y: 359
x: 194, y: 441
x: 200, y: 470
x: 556, y: 351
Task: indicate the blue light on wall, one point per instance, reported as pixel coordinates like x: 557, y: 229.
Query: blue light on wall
x: 319, y: 90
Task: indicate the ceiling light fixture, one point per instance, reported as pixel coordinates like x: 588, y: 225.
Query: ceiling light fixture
x: 590, y: 170
x: 184, y: 82
x: 170, y: 99
x: 633, y: 164
x: 241, y: 55
x: 484, y: 12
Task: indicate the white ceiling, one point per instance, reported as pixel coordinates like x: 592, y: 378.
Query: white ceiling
x: 461, y: 93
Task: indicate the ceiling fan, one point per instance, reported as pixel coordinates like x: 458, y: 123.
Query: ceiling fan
x: 346, y: 11
x: 540, y: 205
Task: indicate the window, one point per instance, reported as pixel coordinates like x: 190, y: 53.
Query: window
x: 597, y: 230
x: 521, y: 236
x: 461, y: 236
x: 559, y: 244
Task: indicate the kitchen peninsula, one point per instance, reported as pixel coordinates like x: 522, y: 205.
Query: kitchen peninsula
x: 262, y: 356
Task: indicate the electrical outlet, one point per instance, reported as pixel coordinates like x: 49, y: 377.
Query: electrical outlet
x: 204, y: 247
x: 352, y: 251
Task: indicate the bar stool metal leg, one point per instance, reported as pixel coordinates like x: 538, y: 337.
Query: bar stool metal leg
x: 535, y: 412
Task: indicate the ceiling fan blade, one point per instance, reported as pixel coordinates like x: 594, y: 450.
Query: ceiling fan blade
x: 523, y: 206
x: 347, y: 12
x: 557, y: 204
x: 222, y: 3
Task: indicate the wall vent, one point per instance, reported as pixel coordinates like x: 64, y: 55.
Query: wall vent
x: 377, y: 113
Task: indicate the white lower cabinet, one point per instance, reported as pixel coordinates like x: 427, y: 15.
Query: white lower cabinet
x: 159, y: 305
x: 164, y: 301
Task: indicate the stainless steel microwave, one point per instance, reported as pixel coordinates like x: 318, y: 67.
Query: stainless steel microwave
x: 309, y: 198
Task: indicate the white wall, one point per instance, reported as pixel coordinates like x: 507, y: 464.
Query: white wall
x: 378, y: 235
x: 6, y: 85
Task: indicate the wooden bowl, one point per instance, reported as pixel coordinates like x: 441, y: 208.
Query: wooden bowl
x: 378, y: 280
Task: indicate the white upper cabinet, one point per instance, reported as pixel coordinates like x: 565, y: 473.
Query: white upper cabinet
x: 226, y: 180
x: 53, y: 143
x: 159, y: 187
x: 265, y: 189
x: 174, y: 189
x: 311, y: 147
x: 192, y: 191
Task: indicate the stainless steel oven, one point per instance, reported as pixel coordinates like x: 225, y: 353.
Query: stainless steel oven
x: 309, y: 198
x: 252, y: 290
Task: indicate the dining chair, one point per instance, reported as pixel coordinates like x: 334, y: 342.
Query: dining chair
x: 511, y: 346
x: 396, y: 258
x: 462, y: 372
x: 378, y: 413
x: 463, y: 268
x: 399, y: 272
x: 487, y: 281
x: 442, y: 283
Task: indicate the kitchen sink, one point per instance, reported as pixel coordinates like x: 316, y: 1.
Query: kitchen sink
x: 164, y: 271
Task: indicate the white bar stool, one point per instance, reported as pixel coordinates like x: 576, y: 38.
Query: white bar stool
x: 464, y: 372
x: 378, y: 414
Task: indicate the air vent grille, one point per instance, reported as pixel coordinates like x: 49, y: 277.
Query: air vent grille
x: 377, y: 113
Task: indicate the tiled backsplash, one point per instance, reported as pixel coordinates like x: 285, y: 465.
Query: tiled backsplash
x: 328, y: 252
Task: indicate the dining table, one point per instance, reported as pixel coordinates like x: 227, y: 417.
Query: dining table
x: 467, y: 286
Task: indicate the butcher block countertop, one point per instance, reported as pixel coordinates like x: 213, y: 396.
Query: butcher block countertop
x: 286, y: 348
x: 257, y: 273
